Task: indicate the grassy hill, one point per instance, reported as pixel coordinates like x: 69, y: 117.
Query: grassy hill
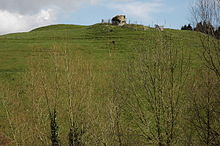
x: 91, y: 77
x: 96, y: 41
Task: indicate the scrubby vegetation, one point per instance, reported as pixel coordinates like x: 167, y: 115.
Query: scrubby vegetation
x: 109, y: 85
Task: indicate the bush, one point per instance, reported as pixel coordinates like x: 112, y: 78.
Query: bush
x: 187, y: 27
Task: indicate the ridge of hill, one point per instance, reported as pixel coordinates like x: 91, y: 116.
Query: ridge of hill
x: 95, y: 40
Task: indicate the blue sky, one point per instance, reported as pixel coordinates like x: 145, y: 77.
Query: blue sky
x: 171, y: 13
x: 29, y: 14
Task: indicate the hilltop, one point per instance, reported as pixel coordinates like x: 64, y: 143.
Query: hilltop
x: 95, y: 40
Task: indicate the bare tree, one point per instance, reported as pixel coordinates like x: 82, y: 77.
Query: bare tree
x: 206, y: 11
x: 204, y: 119
x: 157, y: 83
x: 205, y: 94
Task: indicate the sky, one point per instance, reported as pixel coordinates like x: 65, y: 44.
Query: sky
x: 25, y: 15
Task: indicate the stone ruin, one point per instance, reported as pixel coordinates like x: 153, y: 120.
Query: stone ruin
x: 119, y: 20
x: 158, y: 27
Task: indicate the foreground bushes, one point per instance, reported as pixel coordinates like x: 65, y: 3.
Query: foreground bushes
x: 155, y: 98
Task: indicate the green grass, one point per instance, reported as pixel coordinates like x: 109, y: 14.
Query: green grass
x: 102, y: 47
x: 95, y: 41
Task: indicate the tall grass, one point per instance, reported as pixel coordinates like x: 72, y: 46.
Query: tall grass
x: 154, y: 98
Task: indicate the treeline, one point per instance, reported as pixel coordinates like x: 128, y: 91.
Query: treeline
x: 204, y: 27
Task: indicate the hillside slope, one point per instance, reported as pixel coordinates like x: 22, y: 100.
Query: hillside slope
x: 94, y: 40
x: 100, y: 84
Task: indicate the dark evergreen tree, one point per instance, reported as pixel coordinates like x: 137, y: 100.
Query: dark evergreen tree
x: 183, y: 27
x: 199, y: 27
x: 187, y: 27
x: 205, y: 27
x: 217, y: 33
x: 54, y: 129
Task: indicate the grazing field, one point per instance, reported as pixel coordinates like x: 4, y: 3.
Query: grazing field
x: 106, y: 85
x: 94, y: 41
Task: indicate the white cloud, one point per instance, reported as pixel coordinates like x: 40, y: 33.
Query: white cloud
x: 23, y: 15
x: 138, y: 9
x: 33, y: 6
x: 122, y: 0
x: 14, y: 22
